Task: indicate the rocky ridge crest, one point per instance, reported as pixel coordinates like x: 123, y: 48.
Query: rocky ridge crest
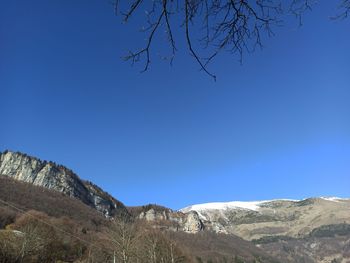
x: 50, y: 175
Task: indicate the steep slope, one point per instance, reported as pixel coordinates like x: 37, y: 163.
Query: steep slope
x: 32, y: 170
x: 17, y: 197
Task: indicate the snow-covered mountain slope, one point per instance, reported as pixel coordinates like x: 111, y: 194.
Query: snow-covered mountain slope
x: 249, y: 205
x: 334, y: 199
x: 282, y: 217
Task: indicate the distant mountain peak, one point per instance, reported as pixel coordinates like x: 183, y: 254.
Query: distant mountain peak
x: 250, y: 205
x: 334, y: 198
x: 283, y: 217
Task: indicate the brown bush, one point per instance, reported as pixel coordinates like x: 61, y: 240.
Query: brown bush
x: 7, y: 216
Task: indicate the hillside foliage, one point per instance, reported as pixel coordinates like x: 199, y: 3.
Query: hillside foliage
x: 41, y: 225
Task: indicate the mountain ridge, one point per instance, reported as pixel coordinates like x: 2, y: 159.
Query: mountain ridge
x: 278, y: 217
x: 54, y: 176
x: 309, y: 230
x: 25, y: 168
x: 251, y: 205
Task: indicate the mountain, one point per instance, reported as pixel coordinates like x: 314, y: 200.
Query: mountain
x: 50, y: 175
x: 255, y: 220
x: 313, y: 230
x: 57, y: 213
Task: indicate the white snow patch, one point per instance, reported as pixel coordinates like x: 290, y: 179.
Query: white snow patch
x: 201, y: 216
x: 253, y: 205
x: 334, y: 199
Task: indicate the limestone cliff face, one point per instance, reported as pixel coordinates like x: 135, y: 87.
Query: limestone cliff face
x: 192, y: 222
x: 59, y: 178
x: 173, y: 220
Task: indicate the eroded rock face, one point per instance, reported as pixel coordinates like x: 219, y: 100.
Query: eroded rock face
x: 192, y: 223
x: 59, y: 178
x: 152, y: 215
x: 173, y: 220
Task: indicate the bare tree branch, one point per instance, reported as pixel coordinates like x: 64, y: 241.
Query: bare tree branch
x: 133, y: 7
x: 299, y: 7
x: 344, y: 8
x: 135, y: 57
x: 189, y: 43
x: 169, y: 30
x: 214, y: 26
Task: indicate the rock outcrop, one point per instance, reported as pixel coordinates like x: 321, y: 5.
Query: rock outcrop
x: 192, y: 223
x: 59, y: 178
x: 166, y: 218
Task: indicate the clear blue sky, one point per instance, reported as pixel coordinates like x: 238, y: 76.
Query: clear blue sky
x: 277, y: 126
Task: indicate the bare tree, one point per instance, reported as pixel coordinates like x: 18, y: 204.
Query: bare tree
x: 158, y: 247
x: 34, y: 238
x: 213, y: 26
x: 123, y: 236
x: 9, y: 249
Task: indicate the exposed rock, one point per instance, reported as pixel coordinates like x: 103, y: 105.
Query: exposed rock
x: 192, y: 223
x: 153, y: 215
x: 166, y: 218
x: 57, y: 177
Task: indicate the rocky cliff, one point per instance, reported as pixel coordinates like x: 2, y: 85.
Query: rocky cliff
x: 50, y: 175
x: 166, y: 218
x: 57, y: 177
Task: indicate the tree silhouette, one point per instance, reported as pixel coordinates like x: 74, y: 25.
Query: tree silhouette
x: 213, y: 26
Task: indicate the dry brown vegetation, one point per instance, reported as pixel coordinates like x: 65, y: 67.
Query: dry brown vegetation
x: 41, y: 225
x: 212, y: 247
x: 55, y: 204
x: 36, y: 237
